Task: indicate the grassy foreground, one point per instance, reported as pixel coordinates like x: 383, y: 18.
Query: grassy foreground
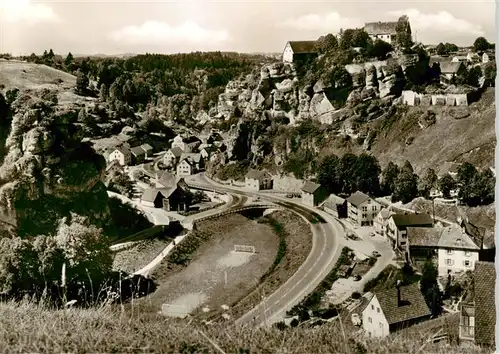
x: 27, y: 327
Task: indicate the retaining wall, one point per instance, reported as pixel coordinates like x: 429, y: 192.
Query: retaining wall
x: 413, y: 98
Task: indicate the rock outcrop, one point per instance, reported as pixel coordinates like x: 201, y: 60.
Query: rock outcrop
x: 48, y: 172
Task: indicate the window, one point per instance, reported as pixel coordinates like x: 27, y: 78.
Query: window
x: 374, y: 207
x: 365, y: 208
x: 449, y: 262
x: 467, y: 263
x: 380, y: 325
x: 373, y: 307
x: 449, y: 251
x: 365, y: 215
x: 378, y: 309
x: 467, y: 253
x: 370, y: 319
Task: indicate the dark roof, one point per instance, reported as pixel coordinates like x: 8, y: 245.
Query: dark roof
x: 192, y: 157
x: 450, y: 68
x: 333, y: 200
x: 423, y: 236
x: 150, y: 194
x: 303, y: 46
x: 123, y: 149
x: 137, y: 151
x: 358, y: 198
x: 476, y: 233
x: 167, y: 179
x: 113, y: 164
x: 412, y: 306
x: 374, y: 28
x: 405, y: 220
x: 310, y: 187
x: 484, y: 303
x: 177, y: 151
x: 254, y: 174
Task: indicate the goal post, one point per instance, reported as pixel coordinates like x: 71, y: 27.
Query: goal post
x: 244, y: 248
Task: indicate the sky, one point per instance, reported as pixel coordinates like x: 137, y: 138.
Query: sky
x: 117, y: 27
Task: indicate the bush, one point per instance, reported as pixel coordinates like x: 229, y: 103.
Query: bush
x: 356, y: 295
x: 294, y: 323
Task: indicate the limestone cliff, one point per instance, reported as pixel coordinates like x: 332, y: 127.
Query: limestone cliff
x: 48, y: 172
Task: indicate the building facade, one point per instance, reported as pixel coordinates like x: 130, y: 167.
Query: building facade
x: 361, y: 209
x: 122, y: 155
x: 258, y: 180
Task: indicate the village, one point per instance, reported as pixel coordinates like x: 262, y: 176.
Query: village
x: 298, y: 190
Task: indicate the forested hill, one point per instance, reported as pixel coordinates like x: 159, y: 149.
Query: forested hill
x: 168, y: 87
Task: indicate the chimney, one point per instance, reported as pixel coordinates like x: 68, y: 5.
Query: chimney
x: 398, y: 288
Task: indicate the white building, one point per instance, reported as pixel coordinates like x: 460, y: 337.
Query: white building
x: 258, y: 180
x: 122, y: 155
x: 380, y: 222
x: 297, y: 50
x: 185, y: 168
x: 313, y: 194
x: 390, y: 310
x: 487, y: 57
x: 397, y: 225
x: 457, y: 252
x: 362, y: 209
x: 385, y: 31
x: 172, y: 156
x: 179, y: 143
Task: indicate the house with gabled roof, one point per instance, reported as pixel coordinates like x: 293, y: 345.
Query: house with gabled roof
x: 121, y: 154
x: 172, y: 198
x: 336, y: 206
x: 478, y: 312
x: 313, y: 193
x: 398, y: 224
x: 138, y: 154
x: 188, y: 165
x: 299, y: 51
x: 450, y: 71
x: 257, y: 180
x: 385, y: 31
x: 393, y: 309
x: 380, y: 221
x: 148, y: 149
x: 487, y: 57
x: 361, y: 209
x: 172, y: 156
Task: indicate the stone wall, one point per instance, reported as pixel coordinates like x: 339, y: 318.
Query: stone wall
x: 287, y: 184
x: 413, y: 98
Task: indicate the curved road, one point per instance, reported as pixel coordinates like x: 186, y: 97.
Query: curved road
x: 320, y: 261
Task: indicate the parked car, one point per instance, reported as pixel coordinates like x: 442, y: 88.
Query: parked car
x: 289, y: 195
x: 357, y: 277
x: 375, y: 254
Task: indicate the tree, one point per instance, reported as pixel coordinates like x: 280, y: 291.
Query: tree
x: 51, y: 54
x: 446, y: 185
x: 69, y: 59
x: 490, y: 73
x: 379, y: 49
x: 329, y: 173
x: 428, y: 182
x: 481, y: 44
x: 86, y: 251
x: 466, y: 177
x: 337, y: 76
x: 82, y: 82
x: 473, y: 76
x: 441, y: 49
x: 429, y: 287
x: 327, y: 43
x: 366, y: 173
x: 347, y: 168
x: 403, y: 32
x: 346, y: 39
x: 389, y: 176
x: 450, y: 48
x: 360, y: 38
x: 406, y: 185
x: 485, y: 187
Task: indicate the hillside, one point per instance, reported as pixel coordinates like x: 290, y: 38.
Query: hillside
x: 31, y: 328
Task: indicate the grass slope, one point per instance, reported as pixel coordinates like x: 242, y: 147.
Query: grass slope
x: 469, y: 139
x: 31, y: 328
